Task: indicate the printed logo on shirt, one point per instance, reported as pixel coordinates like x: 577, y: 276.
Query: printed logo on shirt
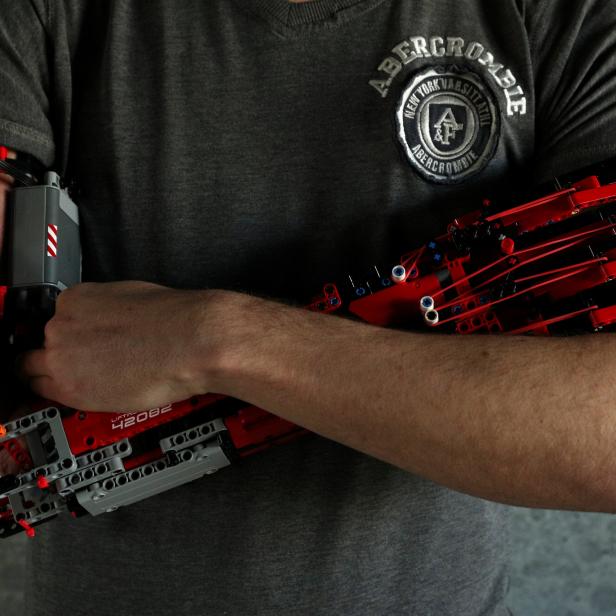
x: 448, y: 123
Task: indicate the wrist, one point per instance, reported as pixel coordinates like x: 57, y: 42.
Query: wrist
x: 231, y: 331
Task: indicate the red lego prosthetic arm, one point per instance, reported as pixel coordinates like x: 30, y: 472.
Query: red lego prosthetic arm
x: 542, y: 266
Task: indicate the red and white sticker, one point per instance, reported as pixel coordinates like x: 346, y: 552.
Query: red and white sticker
x: 52, y: 240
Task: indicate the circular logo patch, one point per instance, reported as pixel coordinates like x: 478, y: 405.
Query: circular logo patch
x: 448, y: 124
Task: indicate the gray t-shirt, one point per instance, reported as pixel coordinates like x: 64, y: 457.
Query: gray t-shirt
x: 269, y: 147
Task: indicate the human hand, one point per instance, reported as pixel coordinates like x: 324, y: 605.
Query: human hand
x: 122, y: 346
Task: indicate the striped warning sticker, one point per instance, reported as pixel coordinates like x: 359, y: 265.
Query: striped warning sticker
x: 52, y: 240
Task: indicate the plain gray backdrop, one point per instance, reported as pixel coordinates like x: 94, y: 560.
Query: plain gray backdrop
x: 563, y: 564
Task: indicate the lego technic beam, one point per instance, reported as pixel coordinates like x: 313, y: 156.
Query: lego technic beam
x: 543, y: 266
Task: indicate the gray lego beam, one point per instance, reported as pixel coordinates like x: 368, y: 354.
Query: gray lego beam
x: 62, y: 460
x: 192, y: 436
x: 36, y: 505
x: 151, y: 479
x: 95, y: 466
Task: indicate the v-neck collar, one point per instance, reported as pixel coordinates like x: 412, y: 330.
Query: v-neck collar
x: 291, y: 16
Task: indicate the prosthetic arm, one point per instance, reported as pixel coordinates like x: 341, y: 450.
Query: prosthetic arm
x: 539, y: 266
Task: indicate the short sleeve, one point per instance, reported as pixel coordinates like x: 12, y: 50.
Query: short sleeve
x: 573, y: 50
x: 24, y: 79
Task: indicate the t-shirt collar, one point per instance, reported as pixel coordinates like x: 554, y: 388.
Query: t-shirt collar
x: 292, y: 14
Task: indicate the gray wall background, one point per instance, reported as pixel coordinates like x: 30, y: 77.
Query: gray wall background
x: 564, y: 564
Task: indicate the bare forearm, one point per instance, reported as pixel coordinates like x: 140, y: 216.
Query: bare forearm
x: 527, y: 421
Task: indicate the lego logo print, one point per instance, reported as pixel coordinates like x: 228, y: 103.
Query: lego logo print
x: 52, y: 240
